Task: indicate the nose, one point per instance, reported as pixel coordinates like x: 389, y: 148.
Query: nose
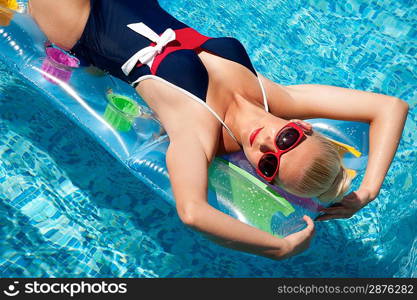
x: 267, y: 144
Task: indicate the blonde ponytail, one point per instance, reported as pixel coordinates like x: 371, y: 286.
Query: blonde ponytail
x: 339, y: 187
x: 326, y: 178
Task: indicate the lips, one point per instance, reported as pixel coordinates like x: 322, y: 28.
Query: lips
x: 253, y: 135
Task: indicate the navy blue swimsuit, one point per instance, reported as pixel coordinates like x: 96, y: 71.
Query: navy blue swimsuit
x: 134, y: 38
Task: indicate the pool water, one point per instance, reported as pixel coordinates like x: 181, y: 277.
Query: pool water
x: 69, y: 209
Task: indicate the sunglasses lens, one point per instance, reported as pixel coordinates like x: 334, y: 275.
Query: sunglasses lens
x: 268, y: 165
x: 287, y: 138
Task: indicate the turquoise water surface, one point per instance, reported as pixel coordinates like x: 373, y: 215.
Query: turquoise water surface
x: 69, y: 209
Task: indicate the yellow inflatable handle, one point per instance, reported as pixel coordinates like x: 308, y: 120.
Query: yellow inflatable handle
x: 7, y: 8
x: 11, y: 4
x: 343, y: 149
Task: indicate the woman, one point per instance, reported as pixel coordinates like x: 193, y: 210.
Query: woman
x: 210, y: 101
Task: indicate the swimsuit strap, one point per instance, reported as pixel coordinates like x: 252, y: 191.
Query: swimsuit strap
x: 263, y: 93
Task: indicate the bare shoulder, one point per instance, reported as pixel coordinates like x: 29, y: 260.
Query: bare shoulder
x: 280, y: 100
x: 180, y: 115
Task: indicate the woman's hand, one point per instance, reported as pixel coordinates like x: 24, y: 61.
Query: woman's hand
x: 349, y: 205
x: 300, y: 241
x: 307, y: 127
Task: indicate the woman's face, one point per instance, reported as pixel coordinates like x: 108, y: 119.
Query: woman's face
x: 260, y: 139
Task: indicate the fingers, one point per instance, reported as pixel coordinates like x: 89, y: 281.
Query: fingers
x: 335, y: 210
x: 335, y: 213
x: 310, y: 225
x: 306, y: 232
x: 351, y: 196
x: 330, y: 217
x: 345, y: 209
x: 337, y: 204
x: 309, y: 221
x: 301, y: 240
x: 306, y: 126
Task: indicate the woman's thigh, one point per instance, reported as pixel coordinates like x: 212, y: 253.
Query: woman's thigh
x: 62, y: 21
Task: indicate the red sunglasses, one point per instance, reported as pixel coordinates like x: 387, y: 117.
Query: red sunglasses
x: 289, y: 137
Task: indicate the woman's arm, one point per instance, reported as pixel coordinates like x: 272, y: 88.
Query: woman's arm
x: 187, y: 165
x: 385, y: 114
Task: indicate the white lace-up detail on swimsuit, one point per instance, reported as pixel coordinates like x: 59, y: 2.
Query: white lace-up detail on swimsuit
x: 147, y: 56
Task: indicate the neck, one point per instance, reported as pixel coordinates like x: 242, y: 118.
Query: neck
x: 240, y: 116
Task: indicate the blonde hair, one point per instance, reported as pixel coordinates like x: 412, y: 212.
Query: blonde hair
x: 326, y: 178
